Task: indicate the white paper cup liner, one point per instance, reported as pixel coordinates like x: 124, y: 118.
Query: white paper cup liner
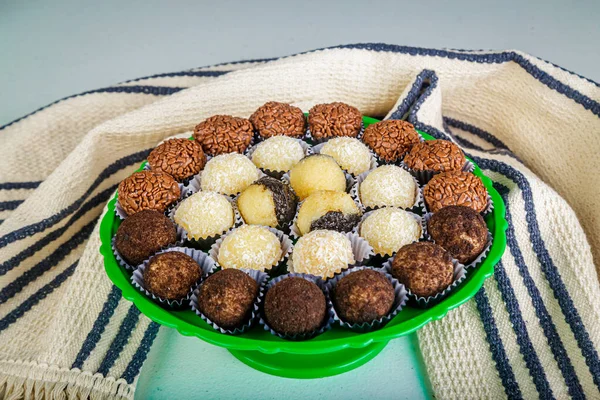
x: 424, y: 176
x: 261, y: 279
x: 317, y: 150
x: 400, y: 298
x: 278, y: 174
x: 206, y: 265
x: 327, y: 321
x: 314, y: 141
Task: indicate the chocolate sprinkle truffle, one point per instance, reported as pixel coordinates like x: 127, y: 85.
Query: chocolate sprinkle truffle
x: 143, y: 234
x: 317, y: 172
x: 222, y: 134
x: 228, y: 174
x: 388, y: 229
x: 268, y: 202
x: 275, y: 118
x: 334, y: 119
x: 388, y: 185
x: 295, y: 306
x: 425, y: 268
x: 250, y: 247
x: 171, y: 275
x: 435, y: 155
x: 322, y: 253
x: 147, y: 190
x: 277, y: 154
x: 226, y: 298
x: 460, y: 230
x: 456, y: 188
x: 328, y: 210
x: 180, y: 158
x: 363, y: 296
x: 204, y: 215
x: 350, y: 153
x: 391, y: 139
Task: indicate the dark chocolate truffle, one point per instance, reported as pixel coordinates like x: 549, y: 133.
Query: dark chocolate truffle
x: 171, y: 275
x: 226, y: 297
x: 180, y: 158
x: 295, y: 306
x: 143, y: 234
x: 335, y: 119
x: 222, y: 134
x: 456, y: 188
x: 330, y: 210
x: 460, y: 230
x: 275, y: 118
x: 363, y: 296
x: 148, y: 190
x: 435, y: 155
x: 391, y: 139
x: 425, y: 268
x: 268, y: 202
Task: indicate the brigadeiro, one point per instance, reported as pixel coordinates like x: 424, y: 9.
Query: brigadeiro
x: 147, y: 190
x: 171, y: 275
x: 268, y: 202
x: 388, y: 185
x: 322, y: 253
x: 180, y: 158
x: 317, y: 172
x: 435, y: 156
x: 460, y: 230
x: 295, y: 306
x: 363, y: 296
x: 226, y: 298
x: 455, y: 188
x: 334, y: 119
x: 391, y: 139
x: 350, y: 153
x: 222, y: 134
x: 328, y: 210
x: 275, y: 118
x: 228, y: 174
x: 425, y: 268
x: 277, y: 154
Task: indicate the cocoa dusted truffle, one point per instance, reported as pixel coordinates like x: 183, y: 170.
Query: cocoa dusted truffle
x: 350, y: 153
x: 391, y: 139
x: 222, y: 134
x: 228, y: 174
x: 326, y: 209
x: 456, y: 188
x: 226, y: 297
x: 425, y: 268
x: 363, y: 296
x: 295, y: 306
x: 180, y: 158
x: 317, y: 172
x: 275, y: 118
x: 436, y: 156
x: 143, y: 234
x: 334, y: 119
x: 147, y: 190
x: 460, y: 230
x: 268, y: 202
x: 171, y: 275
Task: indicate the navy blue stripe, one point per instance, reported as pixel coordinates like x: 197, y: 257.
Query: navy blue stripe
x: 127, y: 326
x: 507, y: 376
x: 93, y: 337
x: 211, y: 74
x: 19, y: 185
x: 133, y: 368
x: 10, y: 205
x: 32, y: 229
x: 35, y: 298
x: 476, y: 131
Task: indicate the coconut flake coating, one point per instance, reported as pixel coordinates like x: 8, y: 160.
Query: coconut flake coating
x: 388, y: 186
x: 205, y: 214
x: 317, y: 172
x: 322, y: 253
x: 335, y: 209
x: 279, y: 153
x: 388, y: 229
x: 250, y: 247
x: 228, y: 174
x: 351, y: 154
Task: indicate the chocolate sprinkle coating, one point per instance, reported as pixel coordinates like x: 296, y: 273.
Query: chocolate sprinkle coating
x: 226, y: 297
x: 148, y: 190
x: 435, y: 155
x: 295, y: 306
x: 363, y: 296
x: 221, y: 134
x: 334, y: 119
x: 171, y: 275
x: 143, y: 234
x: 275, y: 118
x: 456, y: 188
x: 336, y: 221
x: 180, y: 158
x: 460, y: 230
x: 425, y: 268
x: 284, y: 198
x: 391, y: 139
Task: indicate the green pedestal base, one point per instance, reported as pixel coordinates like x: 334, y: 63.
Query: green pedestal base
x: 309, y: 366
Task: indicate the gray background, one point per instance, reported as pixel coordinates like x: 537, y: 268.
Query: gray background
x: 50, y: 50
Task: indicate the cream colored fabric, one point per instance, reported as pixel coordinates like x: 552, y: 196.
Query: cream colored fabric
x: 554, y: 132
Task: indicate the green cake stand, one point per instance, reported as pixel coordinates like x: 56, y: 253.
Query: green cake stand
x: 334, y: 352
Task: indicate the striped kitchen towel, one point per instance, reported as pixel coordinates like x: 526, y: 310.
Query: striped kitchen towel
x: 532, y: 331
